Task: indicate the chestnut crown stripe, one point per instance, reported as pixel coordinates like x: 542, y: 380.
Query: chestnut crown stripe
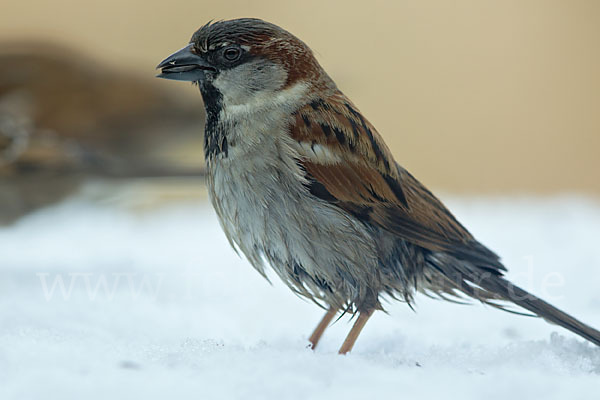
x: 265, y: 40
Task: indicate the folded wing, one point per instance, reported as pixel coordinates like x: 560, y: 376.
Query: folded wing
x: 347, y: 164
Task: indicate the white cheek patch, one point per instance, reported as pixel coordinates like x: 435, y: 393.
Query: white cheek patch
x: 267, y: 100
x: 255, y: 86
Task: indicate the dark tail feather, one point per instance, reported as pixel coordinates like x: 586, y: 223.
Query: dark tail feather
x: 507, y: 291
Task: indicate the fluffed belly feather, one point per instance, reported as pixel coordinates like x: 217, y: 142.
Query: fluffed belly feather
x: 318, y: 250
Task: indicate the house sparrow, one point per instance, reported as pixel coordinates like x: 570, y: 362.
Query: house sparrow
x: 303, y: 183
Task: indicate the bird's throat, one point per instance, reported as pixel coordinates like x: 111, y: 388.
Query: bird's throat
x: 215, y: 139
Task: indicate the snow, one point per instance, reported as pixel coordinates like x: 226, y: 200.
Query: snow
x: 109, y: 299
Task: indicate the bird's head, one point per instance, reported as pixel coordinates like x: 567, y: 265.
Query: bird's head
x: 237, y: 61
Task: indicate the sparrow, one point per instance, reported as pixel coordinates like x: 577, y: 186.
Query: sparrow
x: 304, y: 184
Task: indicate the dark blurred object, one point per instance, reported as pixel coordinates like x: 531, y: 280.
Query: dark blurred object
x: 64, y: 118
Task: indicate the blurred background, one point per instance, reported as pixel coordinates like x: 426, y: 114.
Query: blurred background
x: 114, y: 273
x: 474, y: 97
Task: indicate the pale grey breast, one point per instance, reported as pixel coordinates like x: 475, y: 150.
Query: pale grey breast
x: 269, y: 214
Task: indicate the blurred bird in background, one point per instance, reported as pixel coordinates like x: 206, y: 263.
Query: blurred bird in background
x: 65, y: 118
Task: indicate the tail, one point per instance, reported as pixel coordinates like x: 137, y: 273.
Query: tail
x: 505, y: 290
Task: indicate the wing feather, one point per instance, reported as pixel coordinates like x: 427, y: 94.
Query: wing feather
x: 348, y: 164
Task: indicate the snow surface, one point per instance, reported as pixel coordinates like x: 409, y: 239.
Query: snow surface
x: 155, y: 304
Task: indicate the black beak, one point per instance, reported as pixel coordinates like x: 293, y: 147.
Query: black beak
x: 184, y: 65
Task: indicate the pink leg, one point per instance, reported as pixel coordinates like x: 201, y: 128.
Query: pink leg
x: 318, y: 332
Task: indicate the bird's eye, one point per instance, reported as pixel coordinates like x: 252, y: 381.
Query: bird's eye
x: 232, y: 53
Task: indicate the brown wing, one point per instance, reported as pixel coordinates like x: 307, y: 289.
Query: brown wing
x: 348, y: 164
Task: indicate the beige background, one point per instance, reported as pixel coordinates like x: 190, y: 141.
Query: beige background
x: 472, y: 96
